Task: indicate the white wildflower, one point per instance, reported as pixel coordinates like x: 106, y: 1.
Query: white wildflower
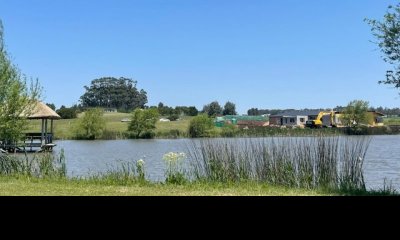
x: 140, y: 162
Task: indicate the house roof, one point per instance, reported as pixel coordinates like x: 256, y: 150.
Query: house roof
x: 42, y: 111
x: 378, y: 113
x: 293, y: 113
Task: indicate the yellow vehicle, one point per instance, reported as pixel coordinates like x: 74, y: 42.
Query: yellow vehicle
x: 318, y: 123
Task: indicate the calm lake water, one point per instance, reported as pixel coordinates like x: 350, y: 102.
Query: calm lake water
x: 86, y: 157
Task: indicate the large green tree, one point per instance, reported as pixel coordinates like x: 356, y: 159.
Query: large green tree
x: 387, y: 35
x: 213, y: 109
x: 229, y: 109
x: 109, y: 92
x: 17, y: 99
x: 143, y: 123
x: 355, y: 113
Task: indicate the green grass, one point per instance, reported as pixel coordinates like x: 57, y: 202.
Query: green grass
x: 392, y: 121
x: 24, y: 186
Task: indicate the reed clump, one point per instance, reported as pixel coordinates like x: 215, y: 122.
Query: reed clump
x: 319, y: 162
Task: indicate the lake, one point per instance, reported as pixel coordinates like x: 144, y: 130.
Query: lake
x: 86, y: 157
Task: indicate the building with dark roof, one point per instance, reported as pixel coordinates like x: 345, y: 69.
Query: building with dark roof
x: 293, y: 117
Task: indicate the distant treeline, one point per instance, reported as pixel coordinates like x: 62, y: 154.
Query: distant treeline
x: 257, y: 112
x: 165, y: 110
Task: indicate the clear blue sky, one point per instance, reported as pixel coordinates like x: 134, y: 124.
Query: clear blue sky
x: 256, y: 53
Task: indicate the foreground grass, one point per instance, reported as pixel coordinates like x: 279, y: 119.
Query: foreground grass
x: 24, y: 186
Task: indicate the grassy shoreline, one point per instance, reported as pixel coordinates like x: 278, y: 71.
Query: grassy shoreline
x: 30, y: 186
x: 25, y: 186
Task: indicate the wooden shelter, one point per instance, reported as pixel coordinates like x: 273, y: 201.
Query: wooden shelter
x: 43, y: 112
x: 35, y: 141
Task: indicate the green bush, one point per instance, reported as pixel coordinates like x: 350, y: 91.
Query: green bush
x: 200, y: 126
x: 229, y: 130
x: 67, y: 113
x: 143, y: 123
x: 173, y: 117
x: 91, y: 125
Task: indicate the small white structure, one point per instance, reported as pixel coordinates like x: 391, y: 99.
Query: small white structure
x: 164, y: 120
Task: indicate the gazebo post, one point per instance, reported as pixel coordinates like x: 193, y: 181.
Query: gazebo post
x: 51, y: 129
x: 42, y: 132
x: 45, y: 132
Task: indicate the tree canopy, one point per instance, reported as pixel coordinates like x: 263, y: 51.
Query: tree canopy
x: 165, y: 110
x: 229, y: 109
x: 16, y: 98
x: 213, y: 109
x: 91, y: 125
x: 355, y: 113
x: 143, y: 122
x: 109, y: 92
x: 387, y: 34
x: 67, y: 113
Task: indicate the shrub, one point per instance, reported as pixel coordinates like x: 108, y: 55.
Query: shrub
x: 229, y: 130
x: 143, y: 123
x: 173, y: 117
x: 199, y: 126
x: 67, y: 113
x: 91, y: 125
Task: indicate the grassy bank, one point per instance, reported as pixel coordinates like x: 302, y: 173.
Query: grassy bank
x: 115, y: 129
x: 392, y: 121
x: 24, y: 186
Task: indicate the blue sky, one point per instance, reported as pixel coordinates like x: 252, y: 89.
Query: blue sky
x: 255, y: 53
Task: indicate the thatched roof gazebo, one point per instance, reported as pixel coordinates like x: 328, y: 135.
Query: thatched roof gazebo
x: 43, y: 112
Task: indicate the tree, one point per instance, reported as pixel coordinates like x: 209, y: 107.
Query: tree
x: 229, y: 109
x: 110, y: 92
x: 67, y: 113
x: 173, y: 117
x: 355, y: 113
x: 188, y: 111
x: 253, y: 112
x: 51, y: 105
x: 200, y: 125
x: 164, y: 110
x: 213, y: 109
x: 143, y: 122
x: 192, y: 111
x: 387, y: 34
x: 17, y: 100
x: 92, y: 124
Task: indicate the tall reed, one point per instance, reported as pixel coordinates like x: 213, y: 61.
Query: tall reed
x: 331, y: 162
x: 37, y: 165
x: 124, y: 173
